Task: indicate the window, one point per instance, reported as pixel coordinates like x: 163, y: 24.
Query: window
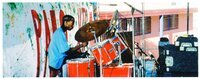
x: 170, y: 22
x: 138, y: 25
x: 124, y: 24
x: 147, y: 25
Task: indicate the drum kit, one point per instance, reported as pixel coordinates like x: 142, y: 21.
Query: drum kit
x: 106, y: 53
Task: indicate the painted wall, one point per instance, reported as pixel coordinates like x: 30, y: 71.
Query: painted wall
x: 27, y: 30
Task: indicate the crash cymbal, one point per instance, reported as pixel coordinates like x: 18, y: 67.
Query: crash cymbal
x: 85, y: 34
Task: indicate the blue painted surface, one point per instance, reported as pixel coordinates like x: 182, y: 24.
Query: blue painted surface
x: 150, y: 69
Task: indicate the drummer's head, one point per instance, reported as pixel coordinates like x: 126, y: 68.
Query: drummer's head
x: 68, y: 22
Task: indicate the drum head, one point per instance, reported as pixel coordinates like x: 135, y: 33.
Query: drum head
x: 79, y: 60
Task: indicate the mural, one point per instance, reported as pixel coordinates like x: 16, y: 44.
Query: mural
x: 27, y: 31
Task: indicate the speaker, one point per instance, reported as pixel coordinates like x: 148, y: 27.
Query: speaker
x: 188, y: 43
x: 177, y: 63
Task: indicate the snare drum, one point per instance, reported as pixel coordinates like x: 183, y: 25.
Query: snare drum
x: 117, y: 41
x: 80, y: 67
x: 107, y: 50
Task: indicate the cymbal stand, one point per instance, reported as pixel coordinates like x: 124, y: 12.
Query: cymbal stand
x: 133, y: 38
x: 133, y: 34
x: 119, y: 52
x: 100, y: 53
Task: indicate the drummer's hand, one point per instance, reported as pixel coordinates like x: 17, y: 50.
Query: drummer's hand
x: 79, y: 50
x: 84, y: 44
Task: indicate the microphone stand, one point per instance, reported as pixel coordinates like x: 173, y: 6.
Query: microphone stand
x: 141, y: 51
x: 133, y: 38
x: 141, y: 62
x: 133, y: 35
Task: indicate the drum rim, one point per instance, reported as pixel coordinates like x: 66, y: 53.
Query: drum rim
x: 79, y: 60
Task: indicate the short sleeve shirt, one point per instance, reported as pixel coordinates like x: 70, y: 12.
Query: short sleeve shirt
x: 57, y: 48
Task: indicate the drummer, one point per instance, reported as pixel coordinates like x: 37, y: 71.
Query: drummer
x: 59, y: 49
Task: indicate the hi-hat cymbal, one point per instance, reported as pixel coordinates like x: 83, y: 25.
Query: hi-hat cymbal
x: 85, y: 33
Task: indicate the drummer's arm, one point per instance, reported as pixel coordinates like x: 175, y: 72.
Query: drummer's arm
x: 73, y: 49
x: 76, y: 48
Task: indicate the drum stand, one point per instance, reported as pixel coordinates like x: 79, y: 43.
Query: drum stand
x: 100, y: 53
x: 117, y: 44
x: 119, y: 51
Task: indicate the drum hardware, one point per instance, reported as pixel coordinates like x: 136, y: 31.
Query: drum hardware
x: 119, y: 44
x: 104, y: 53
x: 88, y: 69
x: 120, y: 58
x: 113, y: 24
x: 101, y: 72
x: 141, y: 51
x: 94, y: 29
x: 133, y: 35
x: 91, y: 31
x: 110, y: 50
x: 112, y: 28
x: 81, y: 67
x: 119, y: 52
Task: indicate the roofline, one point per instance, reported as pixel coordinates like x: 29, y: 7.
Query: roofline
x: 158, y: 12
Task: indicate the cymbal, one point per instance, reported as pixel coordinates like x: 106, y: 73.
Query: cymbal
x: 85, y: 34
